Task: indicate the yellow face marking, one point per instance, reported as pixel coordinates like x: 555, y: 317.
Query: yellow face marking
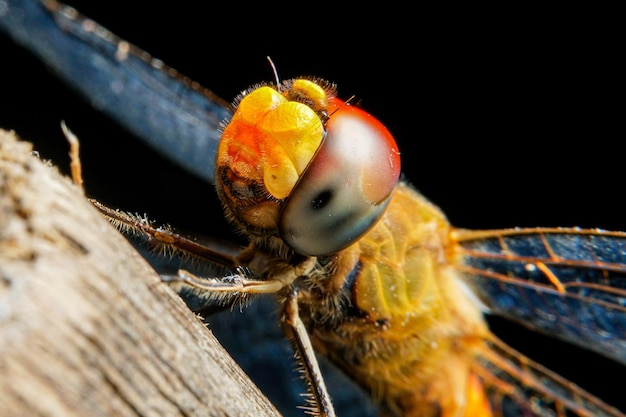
x: 271, y: 140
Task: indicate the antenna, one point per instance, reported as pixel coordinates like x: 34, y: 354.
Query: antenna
x: 275, y: 71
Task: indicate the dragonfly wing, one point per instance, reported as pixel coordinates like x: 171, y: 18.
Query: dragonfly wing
x: 568, y: 283
x: 178, y: 118
x: 518, y: 386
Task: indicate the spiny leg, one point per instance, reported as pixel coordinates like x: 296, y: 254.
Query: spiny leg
x: 233, y: 284
x: 167, y: 240
x: 242, y: 282
x: 75, y: 165
x: 163, y: 238
x: 306, y: 356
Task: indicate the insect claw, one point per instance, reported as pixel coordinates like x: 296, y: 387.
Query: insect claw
x: 75, y: 164
x: 169, y: 278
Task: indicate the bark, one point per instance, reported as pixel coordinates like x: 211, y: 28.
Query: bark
x: 86, y: 326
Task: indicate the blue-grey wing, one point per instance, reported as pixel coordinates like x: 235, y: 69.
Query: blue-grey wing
x: 174, y: 115
x: 566, y: 282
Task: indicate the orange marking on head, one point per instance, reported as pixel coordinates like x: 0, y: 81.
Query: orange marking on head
x: 271, y: 140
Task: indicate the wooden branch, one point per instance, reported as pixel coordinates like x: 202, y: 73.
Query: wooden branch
x: 86, y: 326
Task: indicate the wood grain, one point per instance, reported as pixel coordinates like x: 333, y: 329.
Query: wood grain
x: 86, y: 326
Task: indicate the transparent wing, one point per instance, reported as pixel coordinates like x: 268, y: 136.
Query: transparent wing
x: 567, y: 283
x: 518, y: 386
x: 166, y: 110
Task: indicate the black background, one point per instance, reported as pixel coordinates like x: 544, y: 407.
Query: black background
x: 504, y: 118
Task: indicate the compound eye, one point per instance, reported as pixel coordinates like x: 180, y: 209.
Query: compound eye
x: 346, y: 187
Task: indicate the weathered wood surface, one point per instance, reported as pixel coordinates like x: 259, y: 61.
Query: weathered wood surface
x: 86, y: 326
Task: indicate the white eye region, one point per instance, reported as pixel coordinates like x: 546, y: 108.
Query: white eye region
x: 346, y: 187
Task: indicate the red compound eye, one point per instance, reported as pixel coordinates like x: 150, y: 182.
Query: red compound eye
x: 345, y: 188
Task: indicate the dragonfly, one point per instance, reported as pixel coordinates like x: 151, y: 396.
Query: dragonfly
x: 196, y: 191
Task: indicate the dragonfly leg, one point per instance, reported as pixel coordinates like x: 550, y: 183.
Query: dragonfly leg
x: 163, y: 238
x: 75, y: 165
x: 236, y: 283
x: 240, y: 282
x: 304, y: 351
x: 206, y: 294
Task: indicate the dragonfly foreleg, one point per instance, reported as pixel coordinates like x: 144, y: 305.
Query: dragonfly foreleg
x: 234, y: 284
x: 162, y: 238
x: 241, y: 282
x: 228, y: 290
x: 320, y: 401
x: 75, y: 165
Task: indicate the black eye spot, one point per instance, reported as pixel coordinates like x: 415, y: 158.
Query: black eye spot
x: 321, y: 200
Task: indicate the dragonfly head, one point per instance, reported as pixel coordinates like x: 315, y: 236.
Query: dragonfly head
x: 299, y: 164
